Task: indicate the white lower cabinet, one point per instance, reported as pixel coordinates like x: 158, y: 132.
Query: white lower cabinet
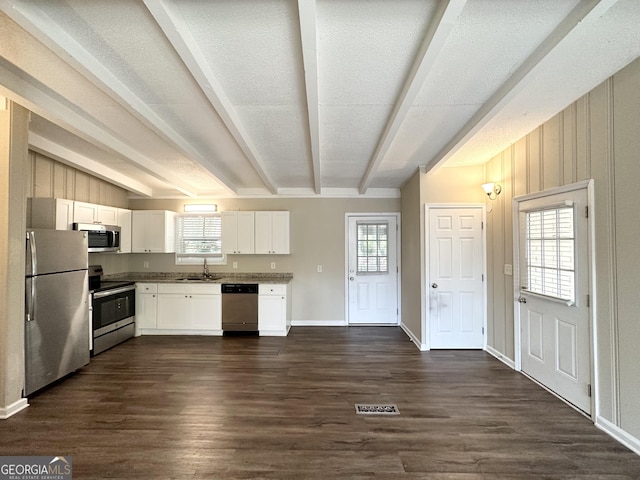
x: 186, y: 309
x: 196, y: 308
x: 273, y: 309
x: 146, y: 307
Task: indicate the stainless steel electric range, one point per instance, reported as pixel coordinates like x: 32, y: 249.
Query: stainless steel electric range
x: 113, y: 310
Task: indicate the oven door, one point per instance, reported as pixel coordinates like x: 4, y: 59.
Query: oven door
x: 110, y: 306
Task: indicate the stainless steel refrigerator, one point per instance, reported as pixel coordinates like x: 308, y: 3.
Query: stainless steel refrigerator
x: 57, y: 306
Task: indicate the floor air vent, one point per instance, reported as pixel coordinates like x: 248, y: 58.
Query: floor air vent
x: 375, y: 409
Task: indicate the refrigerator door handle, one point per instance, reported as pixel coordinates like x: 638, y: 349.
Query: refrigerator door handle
x: 31, y: 253
x: 30, y: 300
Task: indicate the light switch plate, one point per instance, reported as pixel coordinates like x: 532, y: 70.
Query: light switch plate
x: 273, y: 265
x: 508, y: 269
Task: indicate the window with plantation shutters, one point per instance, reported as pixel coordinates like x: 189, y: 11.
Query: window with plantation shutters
x: 198, y: 236
x: 549, y: 243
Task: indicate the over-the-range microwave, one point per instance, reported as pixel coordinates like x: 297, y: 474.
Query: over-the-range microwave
x: 101, y: 238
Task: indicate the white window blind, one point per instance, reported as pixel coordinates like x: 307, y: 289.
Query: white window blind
x: 372, y: 243
x: 198, y: 236
x: 550, y: 253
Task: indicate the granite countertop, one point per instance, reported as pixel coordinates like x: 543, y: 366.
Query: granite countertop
x: 216, y: 277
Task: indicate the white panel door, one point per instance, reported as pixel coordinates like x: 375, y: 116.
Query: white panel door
x: 372, y: 270
x: 456, y: 266
x: 554, y: 312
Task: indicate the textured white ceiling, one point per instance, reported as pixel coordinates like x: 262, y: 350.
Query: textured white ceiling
x: 263, y: 97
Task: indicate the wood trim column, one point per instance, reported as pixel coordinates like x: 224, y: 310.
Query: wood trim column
x: 14, y: 121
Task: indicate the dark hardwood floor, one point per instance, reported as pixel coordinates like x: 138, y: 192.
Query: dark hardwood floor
x: 283, y: 408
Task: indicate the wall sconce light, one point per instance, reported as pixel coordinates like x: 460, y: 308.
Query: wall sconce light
x: 201, y: 208
x: 492, y: 190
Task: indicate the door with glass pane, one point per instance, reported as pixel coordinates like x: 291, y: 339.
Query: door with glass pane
x: 372, y: 281
x: 553, y: 294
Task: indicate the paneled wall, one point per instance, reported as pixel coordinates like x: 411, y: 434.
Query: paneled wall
x: 52, y: 179
x: 596, y: 137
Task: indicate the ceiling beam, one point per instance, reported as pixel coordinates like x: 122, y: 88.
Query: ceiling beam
x: 70, y: 51
x: 431, y: 46
x: 309, y: 39
x: 43, y: 145
x: 177, y: 32
x: 30, y: 95
x: 582, y: 16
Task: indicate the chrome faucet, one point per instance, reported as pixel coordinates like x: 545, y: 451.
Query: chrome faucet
x: 205, y: 271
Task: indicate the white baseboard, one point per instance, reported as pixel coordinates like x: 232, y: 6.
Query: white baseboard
x: 618, y: 434
x: 319, y: 323
x: 413, y: 338
x: 15, y: 407
x: 155, y: 331
x: 507, y: 361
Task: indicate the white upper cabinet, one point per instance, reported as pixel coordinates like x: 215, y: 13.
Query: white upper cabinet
x: 85, y: 212
x: 61, y: 214
x: 124, y: 221
x: 56, y: 213
x: 272, y: 232
x: 238, y: 232
x: 153, y: 231
x: 107, y: 215
x: 91, y: 213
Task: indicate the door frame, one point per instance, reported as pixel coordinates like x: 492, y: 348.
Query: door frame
x: 365, y: 215
x: 426, y: 337
x: 515, y: 204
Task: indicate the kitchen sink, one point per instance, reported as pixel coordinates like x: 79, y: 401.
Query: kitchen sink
x: 198, y: 279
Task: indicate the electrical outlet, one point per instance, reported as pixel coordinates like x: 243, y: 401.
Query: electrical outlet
x: 319, y: 268
x: 273, y: 265
x: 235, y: 264
x: 145, y: 264
x: 508, y: 269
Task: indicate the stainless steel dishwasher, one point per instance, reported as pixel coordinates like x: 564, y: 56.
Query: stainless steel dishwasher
x: 239, y: 307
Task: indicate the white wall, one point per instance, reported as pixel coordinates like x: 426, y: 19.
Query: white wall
x: 317, y: 238
x: 450, y: 185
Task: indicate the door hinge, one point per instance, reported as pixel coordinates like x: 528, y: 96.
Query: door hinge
x: 483, y: 277
x: 588, y: 300
x: 586, y: 212
x: 481, y: 225
x: 589, y: 389
x: 483, y: 330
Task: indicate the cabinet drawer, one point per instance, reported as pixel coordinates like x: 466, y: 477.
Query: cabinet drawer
x: 147, y: 287
x: 272, y: 289
x: 189, y: 288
